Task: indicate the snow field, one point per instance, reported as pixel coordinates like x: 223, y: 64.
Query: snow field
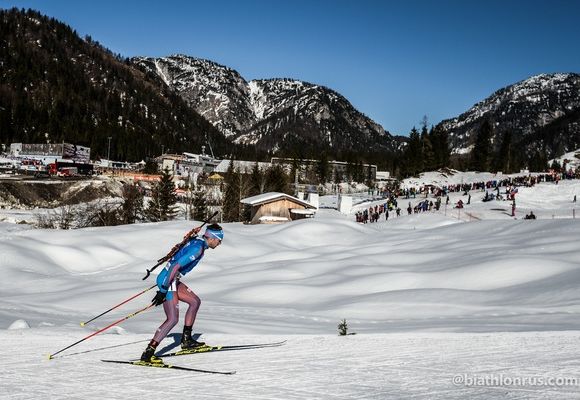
x: 428, y: 295
x: 374, y: 366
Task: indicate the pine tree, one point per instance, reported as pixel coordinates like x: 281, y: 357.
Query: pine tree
x: 151, y: 168
x: 231, y: 199
x: 427, y: 150
x: 322, y: 169
x: 132, y: 207
x: 277, y: 180
x: 440, y: 141
x: 413, y: 156
x: 257, y: 181
x: 162, y: 205
x: 481, y: 153
x: 503, y: 158
x: 359, y: 172
x: 350, y: 171
x: 244, y: 187
x: 541, y: 162
x: 199, y: 211
x: 337, y: 178
x: 555, y: 165
x: 369, y: 177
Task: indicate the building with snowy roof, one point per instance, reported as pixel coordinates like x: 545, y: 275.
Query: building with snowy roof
x: 275, y: 207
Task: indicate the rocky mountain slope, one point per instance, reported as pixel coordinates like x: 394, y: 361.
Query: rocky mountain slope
x: 272, y: 114
x: 56, y: 86
x: 542, y: 113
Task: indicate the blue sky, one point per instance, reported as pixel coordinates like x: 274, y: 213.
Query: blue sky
x: 394, y: 61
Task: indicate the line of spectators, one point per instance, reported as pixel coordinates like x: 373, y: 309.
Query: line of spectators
x: 373, y: 213
x: 511, y: 184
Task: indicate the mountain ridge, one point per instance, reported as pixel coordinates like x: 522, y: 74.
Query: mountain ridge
x: 533, y: 109
x: 56, y: 86
x: 272, y: 114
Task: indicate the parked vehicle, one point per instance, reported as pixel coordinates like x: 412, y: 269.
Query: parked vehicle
x: 63, y: 168
x: 67, y: 171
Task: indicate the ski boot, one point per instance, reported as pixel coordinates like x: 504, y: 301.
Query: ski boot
x: 148, y: 355
x: 187, y: 342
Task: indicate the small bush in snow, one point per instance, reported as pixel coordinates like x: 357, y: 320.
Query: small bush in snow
x: 343, y: 328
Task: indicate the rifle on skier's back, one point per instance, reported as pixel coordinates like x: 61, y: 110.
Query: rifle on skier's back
x: 177, y: 247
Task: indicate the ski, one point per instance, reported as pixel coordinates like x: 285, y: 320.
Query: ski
x: 163, y: 365
x: 208, y: 349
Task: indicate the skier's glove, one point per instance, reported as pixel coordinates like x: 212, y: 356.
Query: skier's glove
x: 159, y: 298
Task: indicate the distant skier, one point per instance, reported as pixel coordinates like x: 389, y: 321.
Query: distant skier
x: 172, y: 290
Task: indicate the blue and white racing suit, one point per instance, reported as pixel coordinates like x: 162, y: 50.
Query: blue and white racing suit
x: 168, y: 281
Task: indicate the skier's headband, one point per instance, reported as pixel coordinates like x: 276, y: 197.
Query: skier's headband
x: 214, y: 233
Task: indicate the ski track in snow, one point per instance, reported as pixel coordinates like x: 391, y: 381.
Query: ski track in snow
x: 382, y: 366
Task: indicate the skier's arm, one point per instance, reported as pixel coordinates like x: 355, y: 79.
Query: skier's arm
x: 193, y: 254
x: 173, y: 273
x: 169, y: 278
x: 192, y: 233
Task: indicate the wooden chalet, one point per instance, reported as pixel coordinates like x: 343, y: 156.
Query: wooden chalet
x: 275, y: 207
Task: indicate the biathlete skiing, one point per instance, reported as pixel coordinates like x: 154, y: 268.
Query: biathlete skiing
x: 172, y: 290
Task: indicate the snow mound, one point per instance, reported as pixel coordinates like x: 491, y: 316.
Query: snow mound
x: 419, y: 272
x: 19, y: 324
x: 116, y: 330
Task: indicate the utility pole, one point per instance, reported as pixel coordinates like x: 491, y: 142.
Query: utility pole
x: 296, y: 182
x: 209, y: 144
x: 109, y: 152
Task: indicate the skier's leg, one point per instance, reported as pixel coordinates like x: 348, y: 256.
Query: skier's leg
x: 185, y: 294
x: 171, y: 308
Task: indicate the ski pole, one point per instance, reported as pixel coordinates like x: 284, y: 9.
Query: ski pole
x: 178, y: 246
x: 50, y: 356
x: 118, y: 305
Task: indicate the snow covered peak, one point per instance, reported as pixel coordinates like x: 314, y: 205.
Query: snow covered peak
x: 217, y: 92
x: 266, y: 112
x: 269, y: 96
x: 524, y: 108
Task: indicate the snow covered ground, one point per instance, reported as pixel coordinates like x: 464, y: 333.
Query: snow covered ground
x: 382, y: 366
x: 443, y: 308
